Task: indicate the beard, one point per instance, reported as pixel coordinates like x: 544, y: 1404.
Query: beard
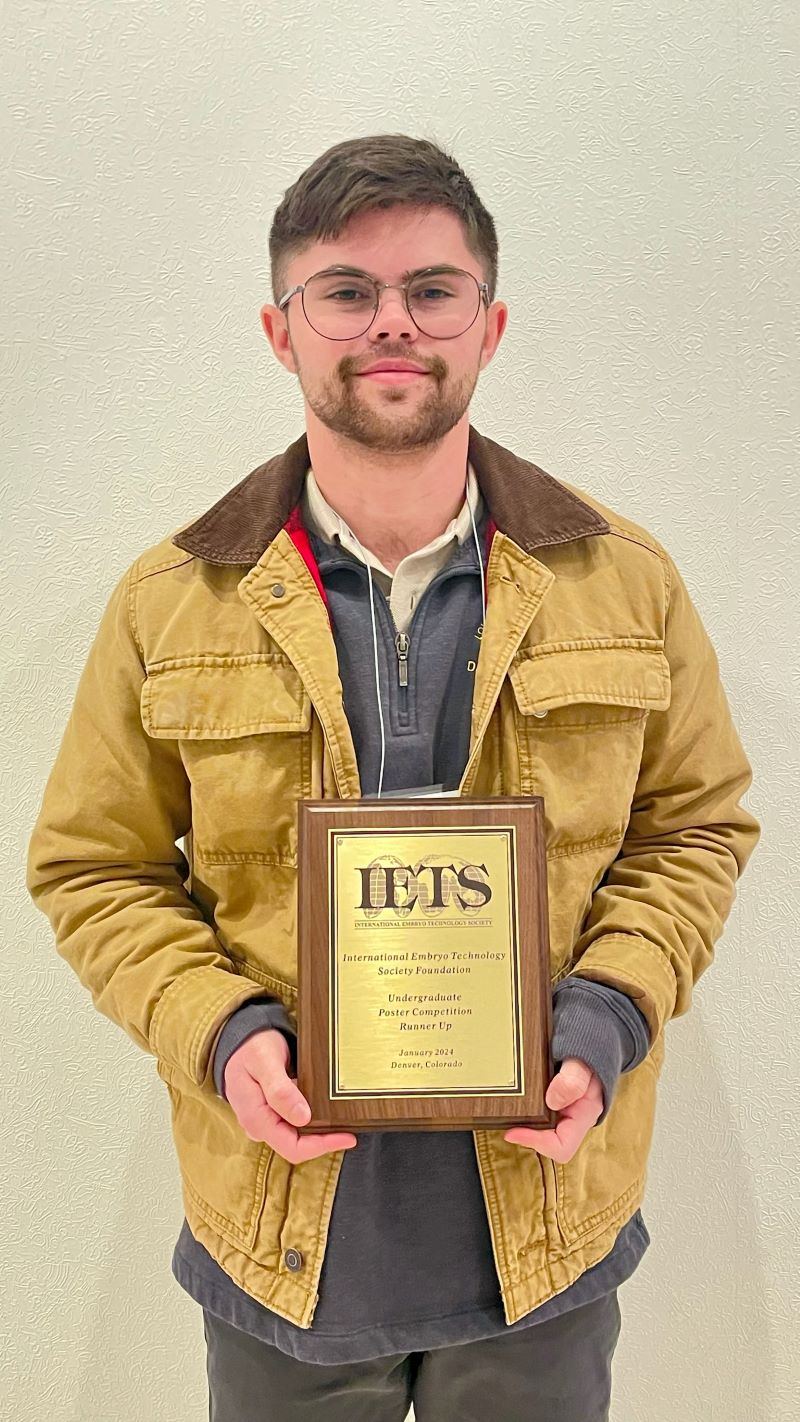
x: 391, y: 418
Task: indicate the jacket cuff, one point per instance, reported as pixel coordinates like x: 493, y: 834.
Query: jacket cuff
x: 256, y: 1015
x: 601, y: 1026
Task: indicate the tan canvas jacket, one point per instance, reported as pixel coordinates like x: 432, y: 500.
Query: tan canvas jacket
x: 210, y: 702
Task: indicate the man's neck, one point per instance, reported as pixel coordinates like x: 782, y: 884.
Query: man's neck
x: 394, y: 503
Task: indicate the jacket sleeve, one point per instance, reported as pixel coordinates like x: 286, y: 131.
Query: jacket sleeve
x: 104, y: 866
x: 661, y: 906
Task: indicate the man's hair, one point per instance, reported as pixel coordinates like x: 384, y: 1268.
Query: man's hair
x: 382, y: 170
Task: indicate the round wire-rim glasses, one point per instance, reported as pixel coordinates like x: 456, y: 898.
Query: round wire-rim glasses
x: 482, y: 289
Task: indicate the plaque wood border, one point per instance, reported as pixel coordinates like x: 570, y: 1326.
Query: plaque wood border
x: 390, y: 1112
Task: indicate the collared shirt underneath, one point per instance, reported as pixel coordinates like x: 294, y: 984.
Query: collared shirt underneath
x: 405, y: 586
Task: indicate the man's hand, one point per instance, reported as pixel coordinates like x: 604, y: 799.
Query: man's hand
x: 267, y: 1102
x: 577, y: 1092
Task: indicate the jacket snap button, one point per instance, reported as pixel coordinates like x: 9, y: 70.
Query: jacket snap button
x: 278, y: 590
x: 540, y: 713
x: 293, y: 1260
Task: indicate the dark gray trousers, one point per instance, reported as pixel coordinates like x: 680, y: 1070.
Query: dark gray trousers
x: 555, y: 1371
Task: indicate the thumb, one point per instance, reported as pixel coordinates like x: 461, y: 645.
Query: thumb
x: 299, y: 1111
x: 569, y: 1084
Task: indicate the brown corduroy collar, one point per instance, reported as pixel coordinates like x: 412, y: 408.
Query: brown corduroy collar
x: 526, y: 503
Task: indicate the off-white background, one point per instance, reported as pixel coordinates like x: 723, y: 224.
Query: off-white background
x: 637, y: 160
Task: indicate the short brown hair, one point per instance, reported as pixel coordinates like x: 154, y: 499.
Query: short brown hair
x: 380, y: 171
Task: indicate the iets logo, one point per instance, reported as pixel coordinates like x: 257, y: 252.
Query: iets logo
x: 427, y: 887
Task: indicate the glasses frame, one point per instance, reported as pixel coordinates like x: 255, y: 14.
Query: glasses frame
x: 483, y: 294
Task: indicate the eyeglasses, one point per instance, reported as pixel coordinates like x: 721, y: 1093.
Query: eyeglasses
x: 341, y: 303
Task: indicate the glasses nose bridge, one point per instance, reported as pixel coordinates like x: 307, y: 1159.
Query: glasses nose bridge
x: 381, y: 287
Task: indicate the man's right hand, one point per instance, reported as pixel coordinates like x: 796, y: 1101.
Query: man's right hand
x: 267, y: 1102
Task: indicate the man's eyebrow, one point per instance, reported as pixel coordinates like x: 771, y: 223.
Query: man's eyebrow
x: 360, y: 271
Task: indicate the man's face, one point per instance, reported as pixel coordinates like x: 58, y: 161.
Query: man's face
x: 404, y: 414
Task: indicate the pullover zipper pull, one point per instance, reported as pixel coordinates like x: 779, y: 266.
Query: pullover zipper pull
x: 401, y: 643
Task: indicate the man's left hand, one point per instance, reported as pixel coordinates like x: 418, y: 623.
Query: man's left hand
x: 577, y: 1093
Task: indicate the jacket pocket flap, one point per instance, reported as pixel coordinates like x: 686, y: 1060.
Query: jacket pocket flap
x: 616, y: 676
x: 216, y: 698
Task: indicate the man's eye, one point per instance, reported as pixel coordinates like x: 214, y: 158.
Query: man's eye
x: 348, y: 291
x: 425, y: 294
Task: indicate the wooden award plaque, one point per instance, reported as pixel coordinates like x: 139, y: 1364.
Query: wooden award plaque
x: 424, y: 994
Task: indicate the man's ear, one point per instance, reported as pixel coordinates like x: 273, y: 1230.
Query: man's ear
x: 276, y: 330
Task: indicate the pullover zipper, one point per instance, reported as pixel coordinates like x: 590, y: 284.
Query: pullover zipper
x: 401, y: 642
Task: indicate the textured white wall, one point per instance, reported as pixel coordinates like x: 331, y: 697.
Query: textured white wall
x: 638, y: 161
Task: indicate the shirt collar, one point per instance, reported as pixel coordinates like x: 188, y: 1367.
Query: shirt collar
x: 324, y: 520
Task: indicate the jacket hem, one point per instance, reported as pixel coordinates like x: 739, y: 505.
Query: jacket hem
x: 290, y: 1299
x: 558, y: 1272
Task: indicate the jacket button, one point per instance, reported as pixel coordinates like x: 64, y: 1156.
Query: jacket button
x: 293, y: 1259
x: 278, y: 590
x: 540, y: 713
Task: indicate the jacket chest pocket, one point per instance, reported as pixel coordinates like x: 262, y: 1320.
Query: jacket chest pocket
x: 244, y: 729
x: 580, y: 723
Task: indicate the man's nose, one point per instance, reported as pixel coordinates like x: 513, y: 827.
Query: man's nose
x: 392, y: 315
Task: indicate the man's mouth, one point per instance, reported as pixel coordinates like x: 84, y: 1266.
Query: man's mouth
x: 393, y: 377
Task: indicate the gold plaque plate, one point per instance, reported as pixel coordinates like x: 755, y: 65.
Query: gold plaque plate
x: 424, y: 995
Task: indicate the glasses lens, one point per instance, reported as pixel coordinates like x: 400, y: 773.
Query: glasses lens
x: 342, y: 306
x: 339, y: 306
x: 444, y: 303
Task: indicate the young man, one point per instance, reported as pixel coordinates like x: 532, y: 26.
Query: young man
x: 320, y: 631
